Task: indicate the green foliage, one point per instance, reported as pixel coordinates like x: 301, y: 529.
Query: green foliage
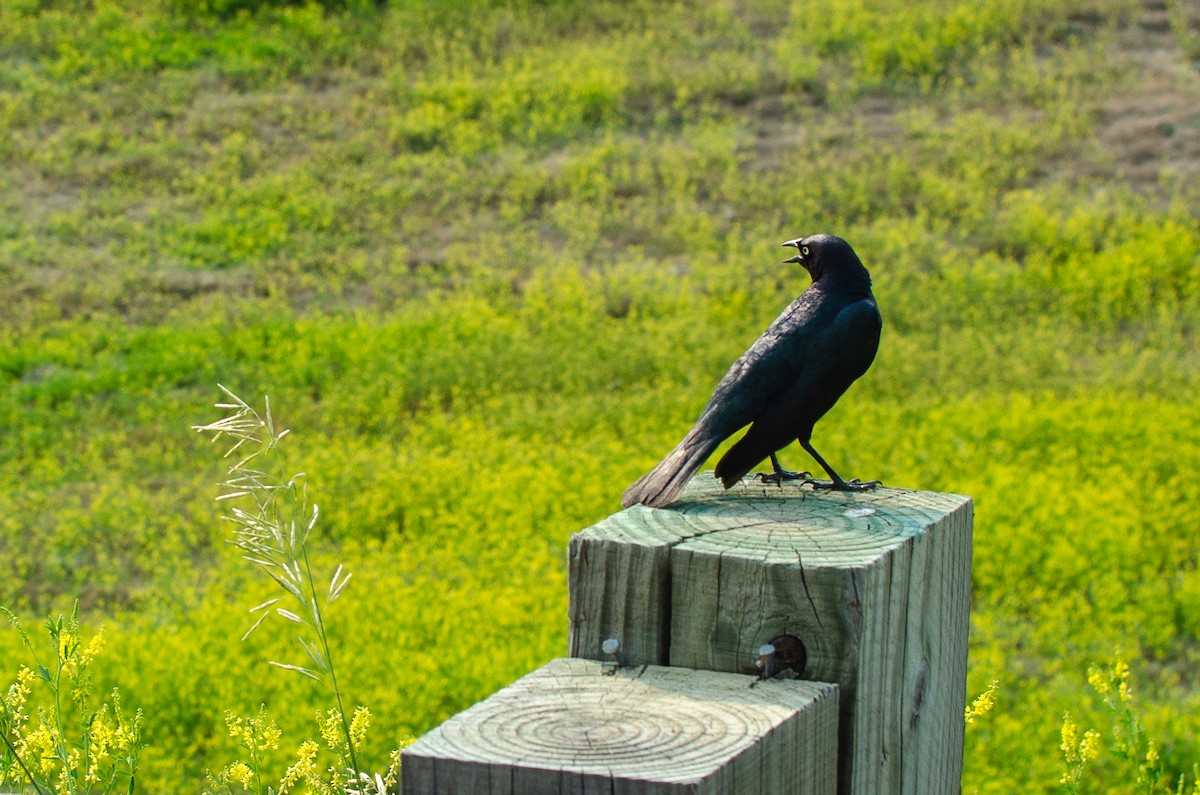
x: 74, y: 745
x: 1186, y: 27
x: 493, y: 258
x: 226, y: 9
x: 1134, y: 755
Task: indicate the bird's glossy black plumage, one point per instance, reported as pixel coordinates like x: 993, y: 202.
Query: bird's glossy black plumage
x: 786, y: 381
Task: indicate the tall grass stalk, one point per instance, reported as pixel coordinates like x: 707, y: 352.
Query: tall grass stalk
x: 273, y: 521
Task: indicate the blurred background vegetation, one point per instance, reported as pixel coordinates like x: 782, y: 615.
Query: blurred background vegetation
x: 489, y: 260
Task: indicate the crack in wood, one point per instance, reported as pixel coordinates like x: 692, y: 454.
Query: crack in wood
x: 895, y: 641
x: 807, y: 593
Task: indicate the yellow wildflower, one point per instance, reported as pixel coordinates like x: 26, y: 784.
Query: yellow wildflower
x: 253, y: 734
x: 303, y: 769
x: 66, y: 644
x: 1099, y: 680
x: 359, y: 725
x: 40, y: 745
x: 233, y: 722
x: 1121, y: 670
x: 393, y: 772
x: 102, y: 738
x: 983, y: 703
x: 239, y: 729
x: 93, y: 648
x: 65, y: 776
x: 1121, y: 676
x: 1070, y: 739
x: 241, y: 773
x: 1077, y: 752
x: 1151, y: 756
x: 269, y: 739
x: 15, y: 698
x: 331, y: 729
x: 1089, y: 746
x: 123, y: 736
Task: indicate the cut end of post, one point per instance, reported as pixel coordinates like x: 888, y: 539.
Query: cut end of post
x: 568, y: 728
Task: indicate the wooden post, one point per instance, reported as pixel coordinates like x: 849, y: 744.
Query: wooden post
x: 583, y: 727
x: 875, y: 586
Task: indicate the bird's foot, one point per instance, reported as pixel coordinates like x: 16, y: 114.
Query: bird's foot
x: 780, y: 475
x: 843, y: 485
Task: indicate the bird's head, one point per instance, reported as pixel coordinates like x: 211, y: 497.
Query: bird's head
x: 821, y: 254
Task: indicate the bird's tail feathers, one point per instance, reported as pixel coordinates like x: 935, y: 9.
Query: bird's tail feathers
x: 661, y: 485
x: 739, y: 460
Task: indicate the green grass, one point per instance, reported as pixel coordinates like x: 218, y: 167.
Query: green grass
x: 491, y: 263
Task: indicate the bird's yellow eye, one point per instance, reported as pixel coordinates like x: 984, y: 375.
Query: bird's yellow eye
x: 804, y: 250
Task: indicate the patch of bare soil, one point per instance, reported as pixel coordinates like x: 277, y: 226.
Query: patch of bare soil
x: 1147, y: 128
x: 1151, y: 128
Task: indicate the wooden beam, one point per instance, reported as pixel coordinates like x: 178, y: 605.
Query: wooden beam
x: 621, y: 584
x: 875, y: 585
x: 582, y: 727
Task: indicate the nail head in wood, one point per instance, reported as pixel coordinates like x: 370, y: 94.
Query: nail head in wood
x: 877, y: 584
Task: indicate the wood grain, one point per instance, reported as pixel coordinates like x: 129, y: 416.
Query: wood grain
x: 876, y: 585
x: 570, y: 727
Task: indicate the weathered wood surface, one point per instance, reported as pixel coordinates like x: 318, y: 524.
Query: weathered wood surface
x: 876, y: 585
x: 620, y: 575
x: 570, y: 728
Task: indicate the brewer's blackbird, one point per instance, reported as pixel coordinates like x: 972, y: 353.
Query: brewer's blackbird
x: 789, y: 378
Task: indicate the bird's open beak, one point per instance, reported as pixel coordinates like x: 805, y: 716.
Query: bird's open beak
x: 796, y: 245
x: 796, y: 258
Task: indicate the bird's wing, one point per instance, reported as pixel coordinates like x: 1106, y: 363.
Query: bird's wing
x: 836, y: 353
x: 809, y: 343
x: 770, y: 366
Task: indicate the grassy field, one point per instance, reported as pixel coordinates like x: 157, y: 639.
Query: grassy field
x: 489, y: 262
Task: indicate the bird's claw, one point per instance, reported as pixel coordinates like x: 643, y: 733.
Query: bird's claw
x: 778, y: 477
x: 844, y: 485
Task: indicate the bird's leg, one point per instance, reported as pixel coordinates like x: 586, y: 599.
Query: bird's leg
x: 836, y: 483
x: 780, y: 474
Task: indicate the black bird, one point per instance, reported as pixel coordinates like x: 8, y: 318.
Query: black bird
x: 789, y: 378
